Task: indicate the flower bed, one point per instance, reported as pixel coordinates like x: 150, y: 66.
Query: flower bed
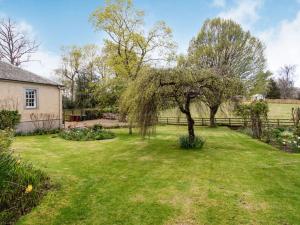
x: 87, y: 134
x: 21, y: 185
x: 286, y: 139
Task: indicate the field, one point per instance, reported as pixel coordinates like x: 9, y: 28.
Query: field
x: 232, y: 180
x: 276, y: 111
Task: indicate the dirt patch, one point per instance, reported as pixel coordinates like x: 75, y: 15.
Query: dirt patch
x: 106, y: 123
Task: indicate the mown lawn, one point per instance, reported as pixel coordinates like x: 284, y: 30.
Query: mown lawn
x: 232, y: 180
x: 276, y: 111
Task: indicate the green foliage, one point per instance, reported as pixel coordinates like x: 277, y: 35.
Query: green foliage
x: 21, y: 185
x: 261, y: 83
x: 129, y: 50
x: 257, y: 112
x: 9, y: 119
x: 273, y: 91
x: 143, y: 106
x: 80, y: 68
x: 223, y: 46
x: 6, y: 138
x: 92, y: 114
x: 129, y: 46
x: 284, y: 138
x: 243, y: 111
x: 185, y: 143
x: 107, y: 92
x: 86, y: 134
x: 38, y: 132
x: 234, y: 58
x: 259, y: 108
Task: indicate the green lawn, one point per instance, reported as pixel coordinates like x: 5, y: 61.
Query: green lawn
x: 232, y: 180
x: 276, y: 111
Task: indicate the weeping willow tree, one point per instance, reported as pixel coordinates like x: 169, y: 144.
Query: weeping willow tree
x: 141, y: 103
x: 159, y: 89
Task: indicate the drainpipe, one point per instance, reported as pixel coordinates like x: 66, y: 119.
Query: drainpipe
x: 60, y: 106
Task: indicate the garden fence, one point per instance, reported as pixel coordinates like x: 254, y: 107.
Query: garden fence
x: 223, y: 121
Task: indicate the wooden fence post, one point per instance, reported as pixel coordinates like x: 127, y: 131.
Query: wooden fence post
x: 202, y: 120
x: 167, y: 120
x: 278, y: 123
x: 229, y: 119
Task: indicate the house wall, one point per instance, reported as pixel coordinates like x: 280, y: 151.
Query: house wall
x: 49, y: 101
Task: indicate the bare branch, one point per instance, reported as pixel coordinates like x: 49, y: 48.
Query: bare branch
x: 15, y: 46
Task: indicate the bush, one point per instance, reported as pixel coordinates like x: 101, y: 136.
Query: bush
x: 184, y: 142
x: 93, y: 114
x: 21, y: 185
x: 87, y: 134
x: 38, y: 132
x: 6, y: 137
x: 9, y: 119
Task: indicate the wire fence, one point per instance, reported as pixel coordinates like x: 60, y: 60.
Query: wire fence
x: 223, y: 121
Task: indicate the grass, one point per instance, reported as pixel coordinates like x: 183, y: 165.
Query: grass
x: 276, y: 111
x: 232, y: 180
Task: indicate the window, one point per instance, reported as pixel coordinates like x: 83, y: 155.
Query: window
x: 31, y: 98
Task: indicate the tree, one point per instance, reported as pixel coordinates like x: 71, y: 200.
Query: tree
x: 158, y: 89
x: 286, y: 81
x: 70, y: 67
x: 233, y: 55
x: 107, y: 93
x: 129, y: 47
x: 15, y: 46
x: 273, y: 91
x: 260, y: 84
x: 88, y: 76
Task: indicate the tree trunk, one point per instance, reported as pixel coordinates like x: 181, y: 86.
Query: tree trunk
x: 213, y: 112
x: 191, y: 123
x: 72, y: 91
x: 130, y: 128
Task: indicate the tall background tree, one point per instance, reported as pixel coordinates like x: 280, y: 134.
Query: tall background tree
x: 16, y: 47
x: 273, y: 91
x: 233, y: 55
x: 130, y: 48
x: 69, y: 69
x: 261, y: 83
x: 80, y: 70
x: 285, y: 81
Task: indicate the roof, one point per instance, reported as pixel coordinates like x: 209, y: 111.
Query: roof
x: 13, y: 73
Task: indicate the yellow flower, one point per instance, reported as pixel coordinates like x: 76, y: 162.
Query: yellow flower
x: 18, y: 161
x: 28, y: 189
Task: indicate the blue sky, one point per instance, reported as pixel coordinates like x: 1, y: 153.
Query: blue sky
x: 65, y: 22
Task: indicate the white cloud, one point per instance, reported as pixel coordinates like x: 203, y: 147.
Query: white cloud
x: 220, y: 3
x: 282, y: 45
x: 244, y: 12
x: 43, y: 63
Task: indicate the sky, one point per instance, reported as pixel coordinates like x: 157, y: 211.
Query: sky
x: 58, y: 23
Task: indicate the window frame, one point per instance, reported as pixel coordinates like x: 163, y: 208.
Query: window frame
x: 34, y: 98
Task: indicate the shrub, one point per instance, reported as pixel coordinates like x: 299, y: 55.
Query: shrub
x: 185, y: 143
x: 38, y: 132
x: 86, y: 134
x: 6, y: 137
x: 21, y: 185
x: 93, y: 114
x: 9, y: 119
x: 257, y: 112
x: 97, y: 127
